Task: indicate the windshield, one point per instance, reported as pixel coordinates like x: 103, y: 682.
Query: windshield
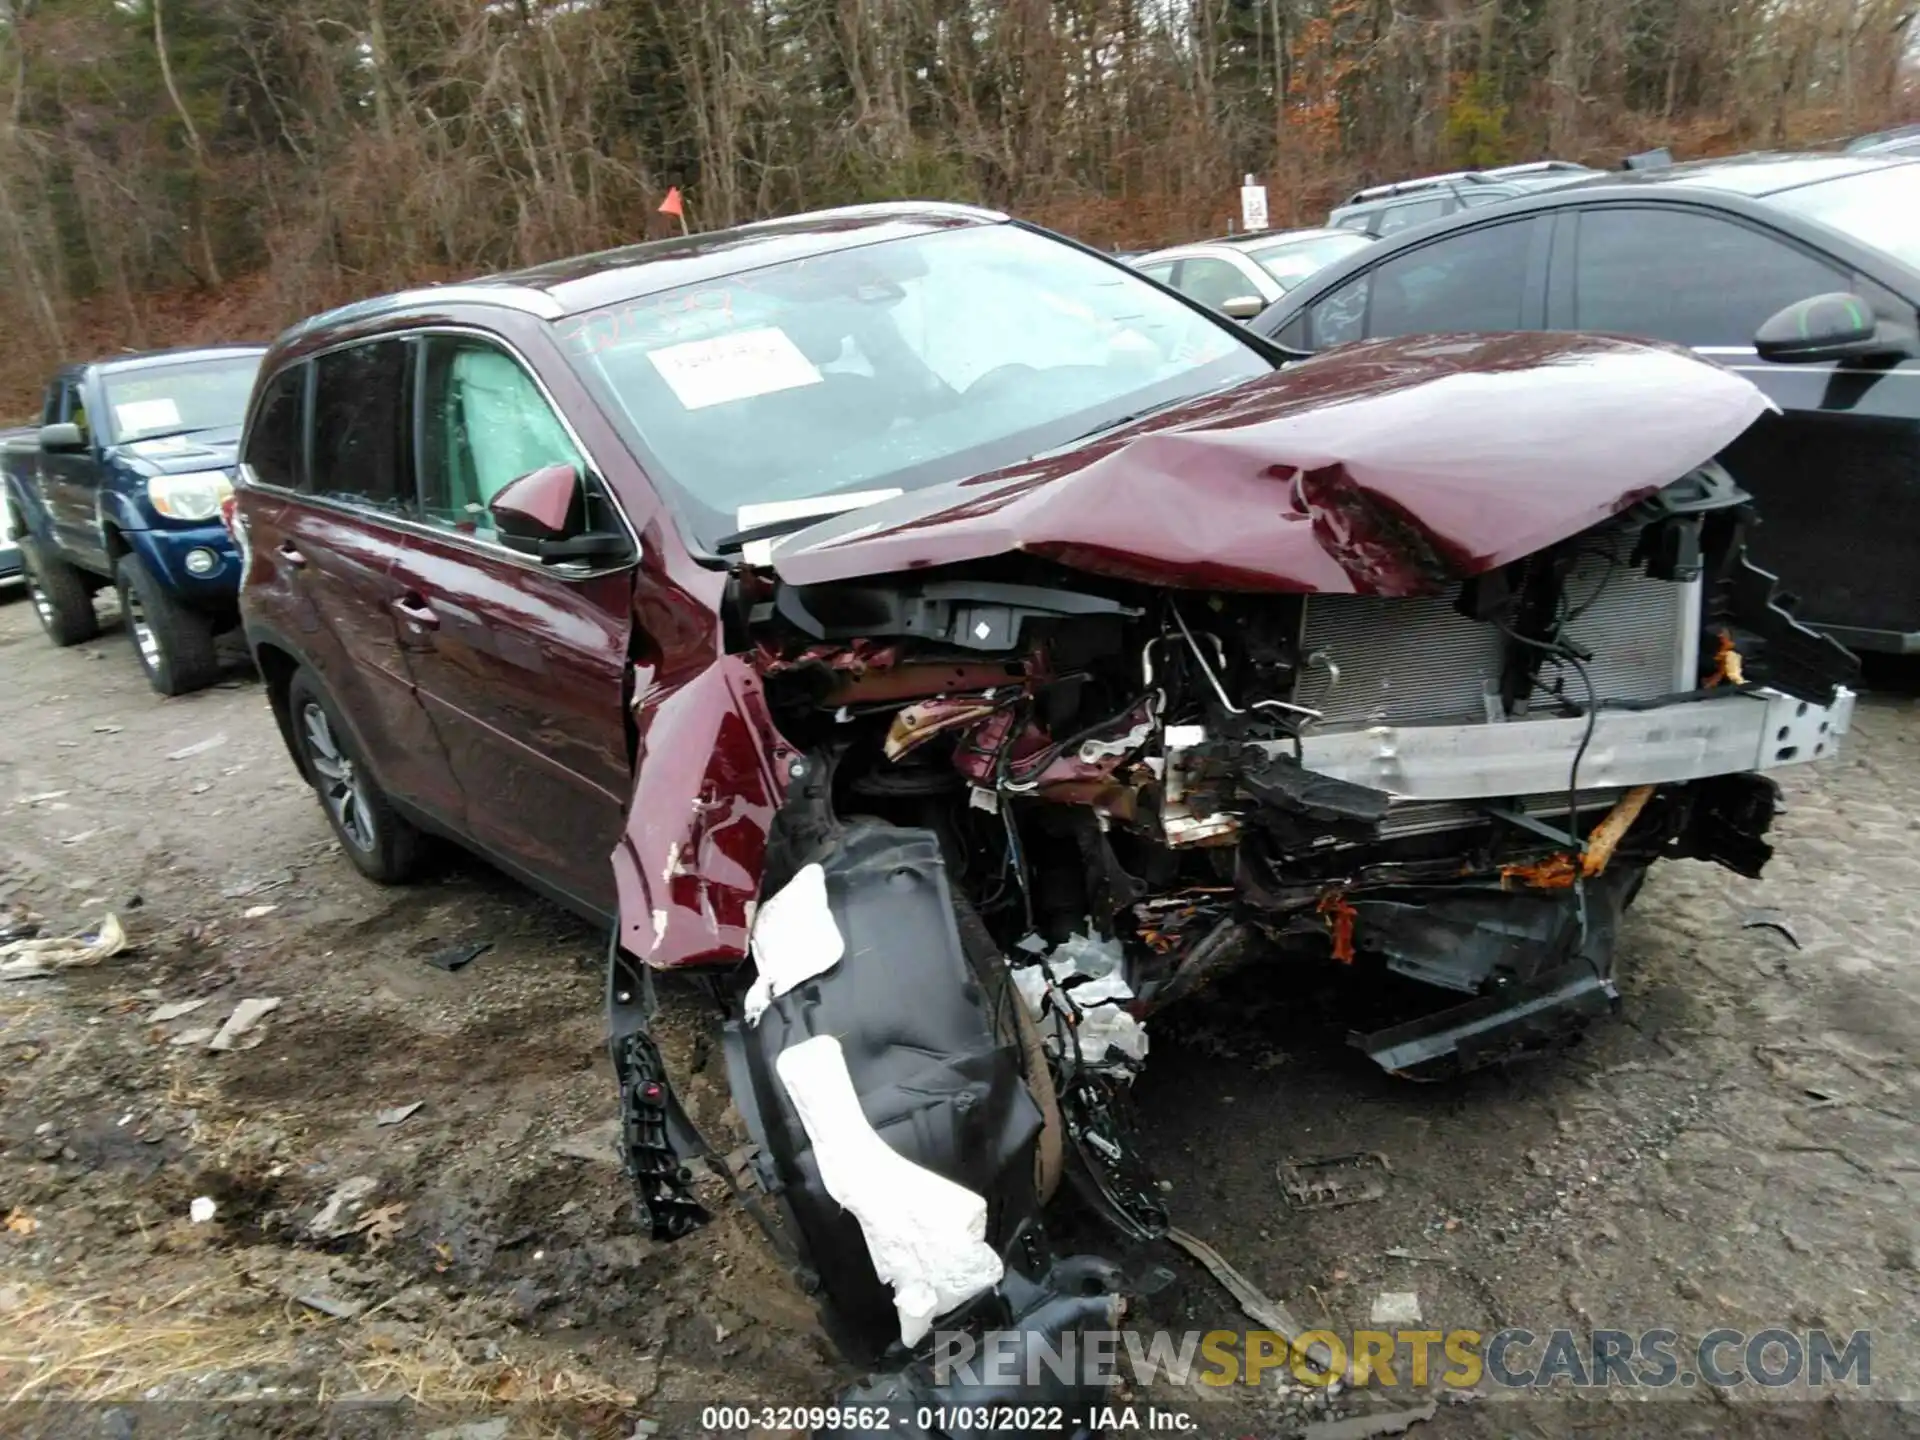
x: 890, y: 366
x: 1880, y: 208
x: 179, y: 399
x: 1291, y: 261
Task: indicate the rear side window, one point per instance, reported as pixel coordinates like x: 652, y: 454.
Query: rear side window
x: 1161, y: 270
x: 1687, y: 277
x: 1396, y: 218
x: 1472, y: 281
x: 273, y: 444
x: 359, y: 426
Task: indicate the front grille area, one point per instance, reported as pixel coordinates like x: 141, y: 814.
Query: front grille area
x: 1420, y: 660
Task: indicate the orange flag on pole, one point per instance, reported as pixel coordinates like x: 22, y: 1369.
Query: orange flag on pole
x: 672, y: 204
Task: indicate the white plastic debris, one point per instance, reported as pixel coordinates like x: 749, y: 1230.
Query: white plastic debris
x: 31, y: 959
x: 346, y: 1197
x: 246, y: 1015
x: 1396, y: 1307
x: 254, y: 912
x: 1106, y: 1031
x: 925, y: 1234
x: 201, y: 1210
x: 794, y: 939
x: 397, y: 1114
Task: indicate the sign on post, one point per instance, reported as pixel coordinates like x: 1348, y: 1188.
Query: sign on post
x: 1253, y: 205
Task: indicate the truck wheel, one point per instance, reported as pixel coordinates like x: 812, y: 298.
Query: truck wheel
x: 381, y: 845
x: 174, y: 643
x: 60, y: 597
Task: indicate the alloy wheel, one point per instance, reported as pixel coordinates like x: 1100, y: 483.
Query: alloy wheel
x: 42, y: 606
x: 143, y: 636
x: 342, y: 788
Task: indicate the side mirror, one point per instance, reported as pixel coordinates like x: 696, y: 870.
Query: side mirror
x: 1839, y: 326
x: 62, y: 439
x: 1243, y: 307
x: 544, y: 514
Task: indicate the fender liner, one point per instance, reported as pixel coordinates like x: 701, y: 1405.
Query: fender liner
x: 937, y: 1077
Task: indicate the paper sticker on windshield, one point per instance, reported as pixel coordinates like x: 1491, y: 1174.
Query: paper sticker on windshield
x: 137, y: 415
x: 733, y: 367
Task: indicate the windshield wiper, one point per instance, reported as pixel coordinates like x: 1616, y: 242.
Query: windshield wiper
x: 1107, y: 427
x: 171, y: 434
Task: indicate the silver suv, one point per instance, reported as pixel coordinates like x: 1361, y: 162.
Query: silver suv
x: 1387, y: 209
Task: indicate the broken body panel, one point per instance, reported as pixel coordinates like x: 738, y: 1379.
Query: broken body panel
x: 1412, y: 658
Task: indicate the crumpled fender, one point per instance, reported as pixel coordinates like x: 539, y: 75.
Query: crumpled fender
x: 711, y: 773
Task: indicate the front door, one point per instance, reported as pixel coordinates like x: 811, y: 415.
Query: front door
x: 520, y: 665
x: 70, y: 480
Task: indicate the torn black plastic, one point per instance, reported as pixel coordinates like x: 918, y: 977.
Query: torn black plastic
x: 1075, y: 1295
x: 1540, y: 966
x: 937, y: 1073
x: 658, y: 1143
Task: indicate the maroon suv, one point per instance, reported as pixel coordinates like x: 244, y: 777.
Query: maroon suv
x: 970, y: 647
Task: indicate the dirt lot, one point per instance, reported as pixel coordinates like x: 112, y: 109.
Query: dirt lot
x: 1740, y: 1149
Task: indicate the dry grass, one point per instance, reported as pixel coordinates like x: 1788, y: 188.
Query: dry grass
x: 115, y: 1346
x: 107, y: 1346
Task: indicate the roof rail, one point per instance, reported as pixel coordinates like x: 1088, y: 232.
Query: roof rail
x: 1424, y: 182
x: 1467, y: 177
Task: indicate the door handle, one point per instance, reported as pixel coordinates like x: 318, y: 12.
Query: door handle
x: 415, y: 611
x: 290, y: 553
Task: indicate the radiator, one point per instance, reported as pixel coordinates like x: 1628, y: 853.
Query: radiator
x: 1412, y: 660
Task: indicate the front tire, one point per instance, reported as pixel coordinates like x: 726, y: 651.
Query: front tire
x: 60, y: 595
x: 381, y: 845
x: 173, y: 643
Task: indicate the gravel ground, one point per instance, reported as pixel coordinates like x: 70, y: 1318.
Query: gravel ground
x: 1738, y: 1149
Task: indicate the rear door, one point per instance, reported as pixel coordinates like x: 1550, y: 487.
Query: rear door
x: 328, y: 553
x: 1837, y: 474
x: 521, y: 665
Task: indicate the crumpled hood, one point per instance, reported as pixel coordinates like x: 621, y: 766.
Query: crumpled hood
x: 1384, y: 468
x: 179, y: 454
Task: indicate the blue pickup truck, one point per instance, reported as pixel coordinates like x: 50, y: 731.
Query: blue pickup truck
x: 122, y: 485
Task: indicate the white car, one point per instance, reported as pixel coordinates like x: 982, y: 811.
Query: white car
x: 1241, y: 275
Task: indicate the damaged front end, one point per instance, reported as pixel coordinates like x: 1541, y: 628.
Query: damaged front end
x: 1013, y: 766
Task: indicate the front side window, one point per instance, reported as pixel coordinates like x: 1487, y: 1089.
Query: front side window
x: 1683, y: 276
x: 73, y: 407
x: 1161, y: 270
x: 359, y: 426
x: 273, y: 444
x: 484, y: 423
x: 1472, y: 281
x: 153, y: 402
x: 900, y: 363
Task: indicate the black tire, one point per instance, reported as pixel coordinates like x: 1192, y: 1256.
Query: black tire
x: 381, y: 845
x: 173, y: 644
x: 61, y: 596
x: 1017, y: 1027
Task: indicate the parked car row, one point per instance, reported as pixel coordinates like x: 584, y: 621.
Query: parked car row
x: 964, y: 647
x: 1800, y: 273
x: 121, y: 486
